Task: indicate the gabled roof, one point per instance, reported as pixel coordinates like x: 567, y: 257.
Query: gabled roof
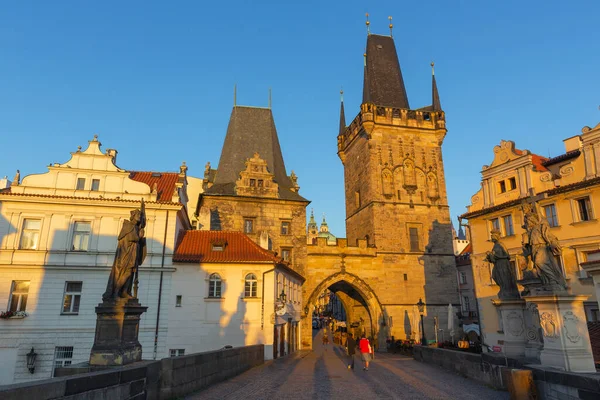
x: 197, y: 246
x: 165, y: 182
x: 383, y: 84
x: 251, y: 130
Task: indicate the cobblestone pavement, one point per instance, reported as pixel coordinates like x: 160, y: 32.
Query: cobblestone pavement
x: 323, y: 374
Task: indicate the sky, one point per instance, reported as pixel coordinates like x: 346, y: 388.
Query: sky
x: 155, y: 80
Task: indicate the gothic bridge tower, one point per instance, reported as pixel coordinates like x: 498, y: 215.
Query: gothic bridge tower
x: 399, y: 233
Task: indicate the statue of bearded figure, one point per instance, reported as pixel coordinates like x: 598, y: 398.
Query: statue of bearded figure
x: 542, y: 248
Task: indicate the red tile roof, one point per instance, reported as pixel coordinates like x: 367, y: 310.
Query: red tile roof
x: 197, y: 246
x: 538, y: 162
x: 467, y: 250
x: 165, y: 182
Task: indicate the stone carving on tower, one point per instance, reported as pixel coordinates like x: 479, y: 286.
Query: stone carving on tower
x: 256, y: 180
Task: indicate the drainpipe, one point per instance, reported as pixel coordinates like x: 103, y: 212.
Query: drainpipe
x: 262, y: 300
x: 160, y: 285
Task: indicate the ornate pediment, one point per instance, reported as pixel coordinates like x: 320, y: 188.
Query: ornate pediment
x: 506, y: 152
x: 256, y: 180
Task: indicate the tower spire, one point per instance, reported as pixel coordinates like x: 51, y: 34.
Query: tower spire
x: 368, y: 23
x: 342, y: 114
x: 435, y: 96
x: 391, y: 26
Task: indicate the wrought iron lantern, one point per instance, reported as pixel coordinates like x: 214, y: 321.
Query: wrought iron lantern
x: 421, y: 307
x: 282, y: 296
x: 31, y: 356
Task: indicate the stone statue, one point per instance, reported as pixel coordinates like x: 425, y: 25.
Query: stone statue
x: 541, y: 247
x: 131, y: 252
x: 502, y: 273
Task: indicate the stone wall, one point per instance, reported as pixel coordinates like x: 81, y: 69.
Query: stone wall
x: 497, y: 371
x: 153, y: 380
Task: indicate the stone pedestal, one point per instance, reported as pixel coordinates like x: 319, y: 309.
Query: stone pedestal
x: 513, y: 322
x: 566, y: 339
x: 117, y: 327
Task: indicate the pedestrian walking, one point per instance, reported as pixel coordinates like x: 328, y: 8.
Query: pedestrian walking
x: 351, y: 350
x: 365, y: 351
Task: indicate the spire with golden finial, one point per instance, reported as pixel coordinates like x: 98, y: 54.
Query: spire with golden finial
x: 391, y: 26
x: 234, y: 94
x: 368, y: 23
x: 435, y: 97
x: 342, y: 114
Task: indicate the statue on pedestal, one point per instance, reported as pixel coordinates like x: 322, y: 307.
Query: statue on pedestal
x: 130, y: 254
x: 502, y: 273
x: 542, y: 248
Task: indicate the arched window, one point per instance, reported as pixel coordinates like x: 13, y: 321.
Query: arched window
x: 250, y: 286
x: 214, y: 285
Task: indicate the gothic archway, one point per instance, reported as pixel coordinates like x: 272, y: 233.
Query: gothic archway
x: 360, y: 301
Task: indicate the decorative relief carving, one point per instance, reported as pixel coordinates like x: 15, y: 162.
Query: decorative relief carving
x: 566, y: 170
x: 256, y: 180
x: 474, y: 199
x: 548, y: 326
x: 571, y: 323
x: 514, y: 323
x: 546, y: 177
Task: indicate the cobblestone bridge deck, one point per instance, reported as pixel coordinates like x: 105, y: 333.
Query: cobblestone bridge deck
x: 323, y: 374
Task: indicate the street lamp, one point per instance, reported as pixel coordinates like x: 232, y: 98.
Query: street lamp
x: 31, y: 356
x: 421, y: 307
x: 282, y: 296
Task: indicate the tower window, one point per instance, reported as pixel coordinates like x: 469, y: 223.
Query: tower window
x: 248, y: 225
x: 414, y: 239
x: 252, y: 182
x: 357, y: 198
x: 405, y: 277
x: 260, y: 183
x: 285, y: 228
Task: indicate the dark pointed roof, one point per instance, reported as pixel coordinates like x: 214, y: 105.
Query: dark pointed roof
x: 435, y: 102
x: 342, y: 118
x: 251, y: 130
x: 383, y: 83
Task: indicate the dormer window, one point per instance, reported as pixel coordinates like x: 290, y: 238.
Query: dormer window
x: 218, y: 245
x: 252, y: 182
x: 80, y: 184
x: 260, y: 183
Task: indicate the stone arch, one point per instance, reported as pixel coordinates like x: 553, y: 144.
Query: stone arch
x: 371, y: 301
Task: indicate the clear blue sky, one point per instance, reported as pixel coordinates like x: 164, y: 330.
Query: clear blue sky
x: 155, y: 80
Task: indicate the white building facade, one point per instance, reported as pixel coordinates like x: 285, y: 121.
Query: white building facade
x: 229, y: 291
x: 58, y: 235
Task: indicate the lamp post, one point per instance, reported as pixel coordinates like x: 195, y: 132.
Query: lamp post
x: 421, y: 307
x: 31, y: 356
x: 282, y: 296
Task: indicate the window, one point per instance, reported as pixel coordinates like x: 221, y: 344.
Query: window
x: 502, y: 186
x: 72, y: 297
x: 18, y: 296
x: 176, y: 352
x: 286, y: 254
x: 462, y: 277
x: 550, y: 211
x: 214, y: 286
x: 260, y: 183
x: 218, y: 247
x: 81, y: 236
x: 414, y: 239
x: 584, y: 208
x: 178, y: 300
x: 466, y: 304
x: 405, y: 277
x: 252, y: 182
x: 508, y: 225
x: 250, y: 285
x: 63, y: 355
x: 80, y: 183
x: 512, y: 183
x: 495, y: 224
x: 30, y: 236
x: 285, y: 228
x: 248, y: 225
x: 95, y: 185
x: 357, y: 198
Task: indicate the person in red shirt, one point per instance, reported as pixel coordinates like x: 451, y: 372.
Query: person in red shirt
x: 365, y: 351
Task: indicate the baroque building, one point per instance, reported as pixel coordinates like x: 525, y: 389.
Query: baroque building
x: 566, y: 189
x: 399, y: 245
x: 58, y: 235
x: 313, y: 231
